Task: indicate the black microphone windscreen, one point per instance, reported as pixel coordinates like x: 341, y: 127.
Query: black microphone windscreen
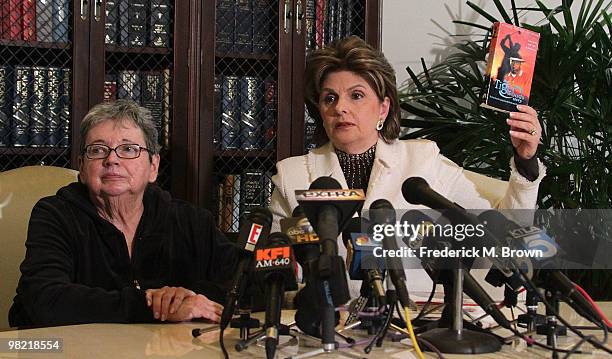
x: 263, y: 213
x: 413, y: 189
x: 497, y: 222
x: 382, y: 211
x: 325, y: 182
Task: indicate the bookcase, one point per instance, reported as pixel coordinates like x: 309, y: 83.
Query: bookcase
x: 252, y: 112
x: 60, y: 57
x: 222, y: 78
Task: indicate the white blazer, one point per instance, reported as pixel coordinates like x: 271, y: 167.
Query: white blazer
x: 393, y: 163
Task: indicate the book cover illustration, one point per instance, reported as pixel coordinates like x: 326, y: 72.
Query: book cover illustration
x: 510, y: 67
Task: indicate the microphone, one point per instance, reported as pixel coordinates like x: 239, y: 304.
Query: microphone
x: 305, y: 243
x: 255, y: 227
x: 362, y: 265
x: 532, y: 237
x: 275, y: 267
x: 304, y: 239
x: 470, y: 286
x: 382, y: 212
x: 416, y: 190
x: 328, y: 208
x: 475, y: 291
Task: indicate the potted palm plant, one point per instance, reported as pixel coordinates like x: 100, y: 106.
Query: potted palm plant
x: 572, y: 91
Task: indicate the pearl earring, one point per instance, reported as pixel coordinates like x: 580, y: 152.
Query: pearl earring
x: 379, y: 124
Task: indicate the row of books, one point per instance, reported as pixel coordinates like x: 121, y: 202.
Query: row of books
x: 245, y: 112
x: 239, y: 194
x: 138, y: 23
x: 151, y: 89
x: 35, y: 20
x: 329, y: 20
x: 245, y: 26
x: 34, y: 106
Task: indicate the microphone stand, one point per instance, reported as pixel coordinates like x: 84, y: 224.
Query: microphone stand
x: 456, y: 339
x: 243, y: 343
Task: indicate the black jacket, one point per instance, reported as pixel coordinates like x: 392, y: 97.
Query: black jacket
x: 77, y: 268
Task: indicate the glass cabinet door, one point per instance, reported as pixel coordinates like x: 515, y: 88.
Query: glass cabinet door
x: 246, y: 70
x: 36, y: 83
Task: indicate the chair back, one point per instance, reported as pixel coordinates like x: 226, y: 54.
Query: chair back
x: 20, y: 189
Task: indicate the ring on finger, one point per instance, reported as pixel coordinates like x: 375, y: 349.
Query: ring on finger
x: 533, y: 132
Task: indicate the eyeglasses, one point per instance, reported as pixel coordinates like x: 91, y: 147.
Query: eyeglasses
x: 127, y: 151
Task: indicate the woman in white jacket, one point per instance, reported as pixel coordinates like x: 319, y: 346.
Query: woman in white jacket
x: 351, y: 93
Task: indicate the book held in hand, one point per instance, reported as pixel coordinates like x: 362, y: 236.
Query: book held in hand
x: 510, y: 67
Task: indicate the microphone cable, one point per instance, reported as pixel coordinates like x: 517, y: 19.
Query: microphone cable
x: 413, y: 337
x: 222, y: 345
x: 550, y: 308
x: 378, y: 335
x: 594, y: 305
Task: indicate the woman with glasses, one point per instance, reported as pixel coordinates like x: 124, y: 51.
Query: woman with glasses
x: 114, y: 247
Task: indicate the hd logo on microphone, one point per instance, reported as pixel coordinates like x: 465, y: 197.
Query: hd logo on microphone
x: 274, y: 257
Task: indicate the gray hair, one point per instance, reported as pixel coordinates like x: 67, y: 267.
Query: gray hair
x: 121, y: 111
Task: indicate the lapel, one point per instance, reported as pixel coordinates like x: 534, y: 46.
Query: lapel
x: 382, y: 171
x: 323, y: 161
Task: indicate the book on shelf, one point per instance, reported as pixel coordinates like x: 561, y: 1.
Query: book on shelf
x: 129, y: 85
x: 11, y: 23
x: 153, y: 98
x: 44, y: 20
x: 132, y: 22
x: 251, y: 190
x: 310, y: 30
x: 269, y: 121
x: 21, y: 109
x: 239, y: 194
x: 225, y: 26
x: 167, y: 106
x: 159, y: 23
x: 251, y: 95
x: 229, y: 203
x: 320, y: 28
x: 61, y: 20
x: 52, y: 24
x: 54, y: 106
x: 65, y: 110
x: 110, y: 87
x: 510, y: 67
x: 243, y: 39
x: 5, y: 111
x: 230, y: 116
x: 218, y: 109
x: 349, y: 16
x: 226, y: 191
x: 262, y: 26
x: 310, y: 128
x: 337, y: 23
x: 29, y: 20
x: 38, y: 107
x: 111, y: 22
x: 331, y: 13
